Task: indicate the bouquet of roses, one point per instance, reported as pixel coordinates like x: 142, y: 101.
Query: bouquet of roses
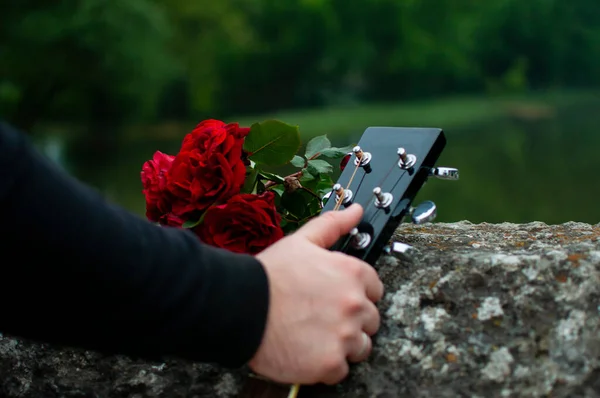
x: 222, y: 186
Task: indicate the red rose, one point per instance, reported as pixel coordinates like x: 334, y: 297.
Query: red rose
x: 247, y: 223
x: 209, y: 168
x: 155, y: 182
x: 214, y: 136
x: 200, y: 180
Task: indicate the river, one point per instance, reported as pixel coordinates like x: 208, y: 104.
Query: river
x: 511, y: 169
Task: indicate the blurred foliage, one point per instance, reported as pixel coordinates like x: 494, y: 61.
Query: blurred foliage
x: 83, y: 61
x: 513, y: 169
x: 99, y: 63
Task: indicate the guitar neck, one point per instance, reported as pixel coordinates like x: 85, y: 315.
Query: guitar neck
x: 388, y: 168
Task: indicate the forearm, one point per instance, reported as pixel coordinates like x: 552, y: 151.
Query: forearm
x: 88, y: 273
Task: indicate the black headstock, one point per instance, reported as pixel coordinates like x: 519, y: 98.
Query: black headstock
x: 384, y: 174
x: 393, y: 164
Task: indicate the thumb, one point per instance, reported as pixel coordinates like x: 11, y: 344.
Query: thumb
x: 327, y: 228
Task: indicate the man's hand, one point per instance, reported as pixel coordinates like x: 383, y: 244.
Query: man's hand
x: 322, y: 310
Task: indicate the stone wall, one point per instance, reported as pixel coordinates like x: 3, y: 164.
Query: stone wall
x: 483, y: 310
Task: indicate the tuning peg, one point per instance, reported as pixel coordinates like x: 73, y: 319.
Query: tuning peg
x: 423, y: 213
x: 345, y: 194
x: 360, y: 240
x: 362, y: 158
x: 382, y: 199
x: 399, y: 250
x: 444, y: 173
x: 406, y: 160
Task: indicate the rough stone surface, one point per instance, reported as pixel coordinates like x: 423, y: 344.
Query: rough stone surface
x: 481, y: 310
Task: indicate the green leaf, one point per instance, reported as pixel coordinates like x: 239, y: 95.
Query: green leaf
x: 278, y: 189
x: 272, y: 177
x: 306, y: 176
x: 288, y: 226
x: 301, y: 203
x: 284, y: 223
x: 259, y: 187
x: 272, y: 143
x: 321, y: 185
x: 318, y: 166
x: 250, y: 181
x: 316, y: 145
x: 298, y: 161
x: 191, y: 223
x: 336, y: 152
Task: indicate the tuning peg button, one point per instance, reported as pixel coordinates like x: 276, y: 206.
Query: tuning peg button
x: 399, y: 250
x: 424, y: 212
x: 444, y: 173
x: 406, y: 160
x: 344, y: 194
x: 360, y: 240
x: 362, y: 158
x: 382, y: 199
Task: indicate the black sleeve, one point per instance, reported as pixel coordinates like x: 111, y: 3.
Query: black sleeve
x: 78, y: 271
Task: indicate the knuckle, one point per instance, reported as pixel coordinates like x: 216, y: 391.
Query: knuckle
x: 352, y: 303
x: 333, y: 364
x: 328, y: 217
x: 355, y: 269
x: 381, y: 289
x: 377, y: 320
x: 372, y: 274
x: 347, y: 333
x: 374, y: 322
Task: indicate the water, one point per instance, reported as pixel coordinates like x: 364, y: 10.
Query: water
x: 511, y: 170
x: 515, y: 171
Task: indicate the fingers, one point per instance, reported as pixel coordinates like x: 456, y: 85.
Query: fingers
x: 358, y: 351
x: 326, y: 229
x: 373, y: 284
x: 363, y: 273
x: 361, y: 348
x: 371, y: 319
x: 336, y: 372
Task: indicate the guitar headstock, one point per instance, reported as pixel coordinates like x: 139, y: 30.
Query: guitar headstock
x: 385, y: 172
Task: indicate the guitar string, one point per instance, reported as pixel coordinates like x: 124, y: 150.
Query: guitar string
x: 388, y: 174
x: 361, y: 181
x: 338, y: 203
x: 341, y: 198
x: 380, y: 182
x: 391, y: 189
x: 296, y: 387
x: 294, y: 391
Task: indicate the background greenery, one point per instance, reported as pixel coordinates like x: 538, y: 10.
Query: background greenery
x: 101, y: 85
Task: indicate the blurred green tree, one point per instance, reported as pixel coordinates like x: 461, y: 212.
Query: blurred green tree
x: 100, y: 63
x: 82, y: 60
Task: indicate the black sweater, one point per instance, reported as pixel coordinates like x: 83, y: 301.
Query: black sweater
x: 78, y: 271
